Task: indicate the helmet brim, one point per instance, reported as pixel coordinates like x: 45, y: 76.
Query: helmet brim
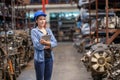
x: 39, y: 13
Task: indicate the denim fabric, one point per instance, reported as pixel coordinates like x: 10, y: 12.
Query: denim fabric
x: 44, y: 69
x: 36, y: 35
x: 43, y: 66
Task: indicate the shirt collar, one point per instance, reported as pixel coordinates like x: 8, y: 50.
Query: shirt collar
x: 41, y: 31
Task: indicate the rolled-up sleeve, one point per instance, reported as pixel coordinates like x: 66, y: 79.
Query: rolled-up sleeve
x: 36, y: 40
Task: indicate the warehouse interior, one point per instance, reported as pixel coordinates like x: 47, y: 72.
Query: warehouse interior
x: 87, y: 32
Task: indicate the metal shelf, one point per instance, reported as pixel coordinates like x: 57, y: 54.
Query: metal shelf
x: 97, y: 4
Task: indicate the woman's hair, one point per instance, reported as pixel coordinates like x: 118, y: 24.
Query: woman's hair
x: 36, y: 24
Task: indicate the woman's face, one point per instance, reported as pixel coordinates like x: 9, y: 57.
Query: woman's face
x: 41, y: 21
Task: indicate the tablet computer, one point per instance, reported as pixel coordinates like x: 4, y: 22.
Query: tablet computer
x: 46, y: 37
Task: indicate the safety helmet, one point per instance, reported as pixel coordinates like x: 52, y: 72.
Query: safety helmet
x: 39, y: 13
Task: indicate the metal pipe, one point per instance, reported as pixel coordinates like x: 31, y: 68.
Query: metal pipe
x: 107, y: 34
x: 97, y: 20
x: 5, y: 29
x: 90, y: 17
x: 46, y: 2
x: 114, y: 9
x: 43, y: 6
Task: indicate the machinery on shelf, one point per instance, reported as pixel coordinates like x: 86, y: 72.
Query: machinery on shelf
x: 103, y: 61
x: 102, y: 56
x: 16, y: 48
x: 15, y: 54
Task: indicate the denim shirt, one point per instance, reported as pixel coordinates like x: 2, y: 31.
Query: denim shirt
x: 36, y: 35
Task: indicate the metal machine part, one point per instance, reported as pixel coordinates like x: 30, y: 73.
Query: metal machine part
x: 98, y: 60
x: 115, y: 71
x: 113, y: 22
x: 85, y: 2
x: 101, y: 60
x: 16, y: 50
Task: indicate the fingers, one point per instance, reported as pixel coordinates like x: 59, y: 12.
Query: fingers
x: 47, y: 47
x: 44, y: 42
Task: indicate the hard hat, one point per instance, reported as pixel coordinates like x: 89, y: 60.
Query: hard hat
x: 39, y: 13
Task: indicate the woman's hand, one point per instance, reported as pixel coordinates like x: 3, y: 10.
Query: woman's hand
x: 44, y: 42
x: 47, y: 47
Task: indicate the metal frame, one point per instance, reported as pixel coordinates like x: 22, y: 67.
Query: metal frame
x: 116, y: 31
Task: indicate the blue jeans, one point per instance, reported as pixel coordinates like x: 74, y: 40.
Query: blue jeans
x: 44, y: 69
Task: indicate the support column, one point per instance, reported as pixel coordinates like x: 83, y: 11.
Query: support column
x: 43, y: 5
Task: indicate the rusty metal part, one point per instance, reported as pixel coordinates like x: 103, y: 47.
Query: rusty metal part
x: 101, y: 60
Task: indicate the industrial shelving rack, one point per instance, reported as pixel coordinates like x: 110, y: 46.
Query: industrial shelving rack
x: 110, y: 33
x: 54, y: 24
x: 116, y: 32
x: 62, y: 27
x: 105, y: 6
x: 14, y: 49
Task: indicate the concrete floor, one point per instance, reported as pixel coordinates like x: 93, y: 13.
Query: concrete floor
x: 67, y: 65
